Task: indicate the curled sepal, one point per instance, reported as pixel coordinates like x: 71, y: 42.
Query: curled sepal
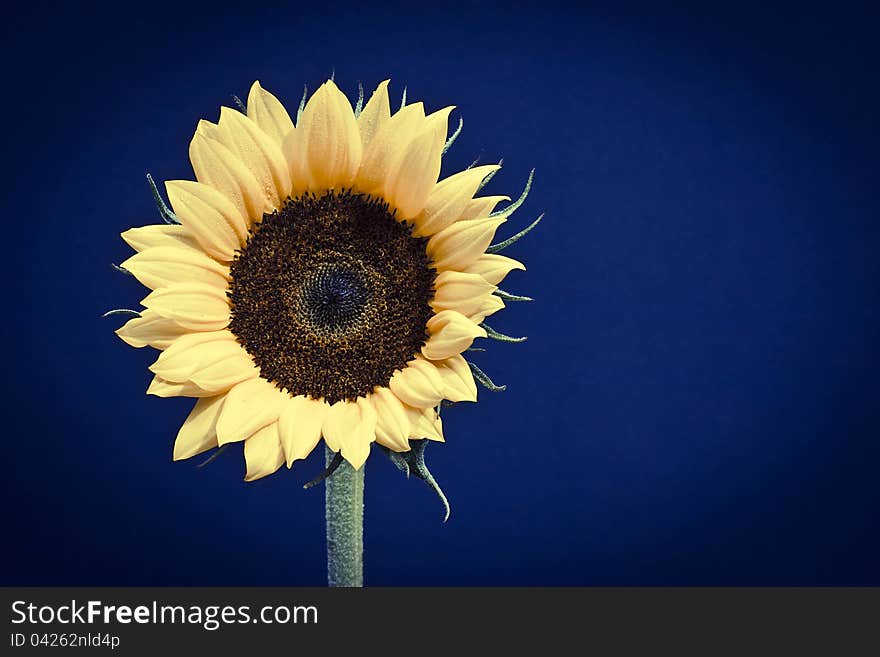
x: 490, y: 175
x: 510, y: 209
x: 495, y: 335
x: 451, y: 140
x: 128, y: 312
x: 239, y: 104
x: 164, y: 211
x: 213, y: 457
x: 413, y: 462
x: 484, y: 380
x: 495, y: 248
x: 507, y: 296
x: 329, y: 470
x: 359, y: 106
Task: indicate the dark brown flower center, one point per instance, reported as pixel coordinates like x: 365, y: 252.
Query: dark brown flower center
x: 331, y: 295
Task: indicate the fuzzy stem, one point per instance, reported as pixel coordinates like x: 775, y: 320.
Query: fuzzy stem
x: 344, y: 499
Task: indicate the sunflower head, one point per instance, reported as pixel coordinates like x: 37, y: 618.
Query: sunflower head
x: 316, y: 281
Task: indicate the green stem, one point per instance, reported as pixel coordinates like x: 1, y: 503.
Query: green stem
x: 344, y: 499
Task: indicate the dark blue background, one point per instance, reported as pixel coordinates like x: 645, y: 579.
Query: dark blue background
x: 697, y: 403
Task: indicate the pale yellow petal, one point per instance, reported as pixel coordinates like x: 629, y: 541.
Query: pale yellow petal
x: 425, y: 423
x: 458, y: 380
x: 162, y: 388
x: 392, y: 421
x: 480, y: 208
x: 418, y: 384
x: 262, y: 452
x: 268, y: 113
x: 449, y: 198
x: 462, y: 292
x: 493, y: 267
x: 192, y: 352
x: 165, y: 265
x: 217, y: 166
x: 199, y: 431
x: 150, y: 329
x: 349, y: 428
x: 324, y: 151
x: 416, y: 169
x: 451, y: 333
x: 375, y: 114
x: 249, y: 407
x: 300, y: 426
x: 260, y: 155
x: 462, y: 243
x: 386, y: 146
x: 209, y: 217
x: 196, y: 306
x: 491, y: 305
x: 144, y: 237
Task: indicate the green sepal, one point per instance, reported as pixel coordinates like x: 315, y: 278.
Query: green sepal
x: 413, y: 462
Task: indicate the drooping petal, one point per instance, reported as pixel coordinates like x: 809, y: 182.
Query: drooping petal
x: 349, y: 428
x: 250, y: 406
x: 449, y: 198
x: 300, y: 425
x: 480, y: 208
x: 462, y: 292
x: 144, y: 237
x: 268, y: 113
x: 165, y: 265
x: 199, y: 430
x: 218, y: 167
x: 418, y: 384
x: 150, y: 329
x: 458, y: 245
x: 262, y: 452
x: 415, y: 171
x: 392, y: 421
x: 493, y: 267
x: 425, y: 423
x: 196, y: 306
x: 381, y: 156
x: 324, y: 151
x: 458, y: 380
x: 260, y: 155
x: 375, y: 114
x: 451, y: 333
x: 209, y: 217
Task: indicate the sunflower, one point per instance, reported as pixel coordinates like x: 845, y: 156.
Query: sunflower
x: 316, y: 280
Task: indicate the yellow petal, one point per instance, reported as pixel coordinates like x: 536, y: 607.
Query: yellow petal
x: 150, y: 329
x: 493, y: 267
x: 386, y: 146
x: 465, y: 293
x: 480, y: 208
x: 145, y: 237
x: 418, y: 384
x: 415, y: 171
x: 350, y: 427
x: 324, y: 152
x: 458, y: 380
x: 199, y: 430
x: 451, y: 334
x: 249, y: 407
x: 192, y: 352
x: 460, y: 244
x: 449, y: 198
x: 268, y: 113
x: 299, y: 426
x: 425, y: 423
x: 262, y: 452
x: 262, y: 156
x: 209, y: 217
x: 392, y: 422
x: 375, y: 114
x: 162, y: 388
x: 218, y: 167
x: 196, y: 306
x: 491, y: 305
x: 164, y: 265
